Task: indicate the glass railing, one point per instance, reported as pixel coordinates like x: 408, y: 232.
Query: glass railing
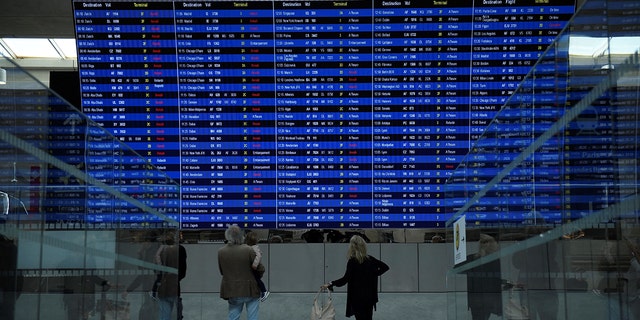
x: 82, y: 217
x: 546, y: 209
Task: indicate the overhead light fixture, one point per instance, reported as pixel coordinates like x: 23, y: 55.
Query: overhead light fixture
x: 3, y: 76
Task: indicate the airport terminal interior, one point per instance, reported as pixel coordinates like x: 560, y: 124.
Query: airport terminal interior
x: 486, y: 151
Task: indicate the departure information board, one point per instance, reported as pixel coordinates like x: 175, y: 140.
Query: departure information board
x: 307, y: 114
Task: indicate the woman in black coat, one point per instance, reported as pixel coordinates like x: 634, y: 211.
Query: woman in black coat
x: 361, y: 279
x: 484, y: 283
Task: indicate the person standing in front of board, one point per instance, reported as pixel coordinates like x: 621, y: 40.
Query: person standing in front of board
x: 168, y: 289
x: 238, y: 285
x: 361, y: 278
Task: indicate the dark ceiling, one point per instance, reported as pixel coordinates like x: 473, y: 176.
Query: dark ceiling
x: 36, y: 19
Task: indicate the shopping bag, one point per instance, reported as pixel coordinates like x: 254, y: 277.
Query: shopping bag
x: 515, y: 307
x: 322, y: 308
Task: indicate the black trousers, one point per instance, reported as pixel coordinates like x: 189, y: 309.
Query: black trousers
x: 363, y: 313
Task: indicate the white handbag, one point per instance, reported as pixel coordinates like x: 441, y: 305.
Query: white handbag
x: 322, y: 308
x: 516, y: 307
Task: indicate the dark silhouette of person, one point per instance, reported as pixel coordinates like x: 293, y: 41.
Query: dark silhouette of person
x: 79, y: 293
x: 536, y: 266
x: 173, y: 255
x: 149, y: 248
x: 182, y: 272
x: 10, y: 279
x: 620, y: 286
x: 361, y: 278
x: 484, y: 283
x: 632, y: 278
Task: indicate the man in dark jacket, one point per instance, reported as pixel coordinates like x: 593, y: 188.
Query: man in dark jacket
x: 174, y: 256
x: 238, y: 286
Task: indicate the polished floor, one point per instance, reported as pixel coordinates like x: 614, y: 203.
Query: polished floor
x: 297, y: 306
x: 279, y: 306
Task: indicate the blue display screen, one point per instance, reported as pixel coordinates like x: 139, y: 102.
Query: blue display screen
x: 300, y: 114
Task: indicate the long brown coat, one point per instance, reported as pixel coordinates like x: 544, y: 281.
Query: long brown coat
x: 234, y: 262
